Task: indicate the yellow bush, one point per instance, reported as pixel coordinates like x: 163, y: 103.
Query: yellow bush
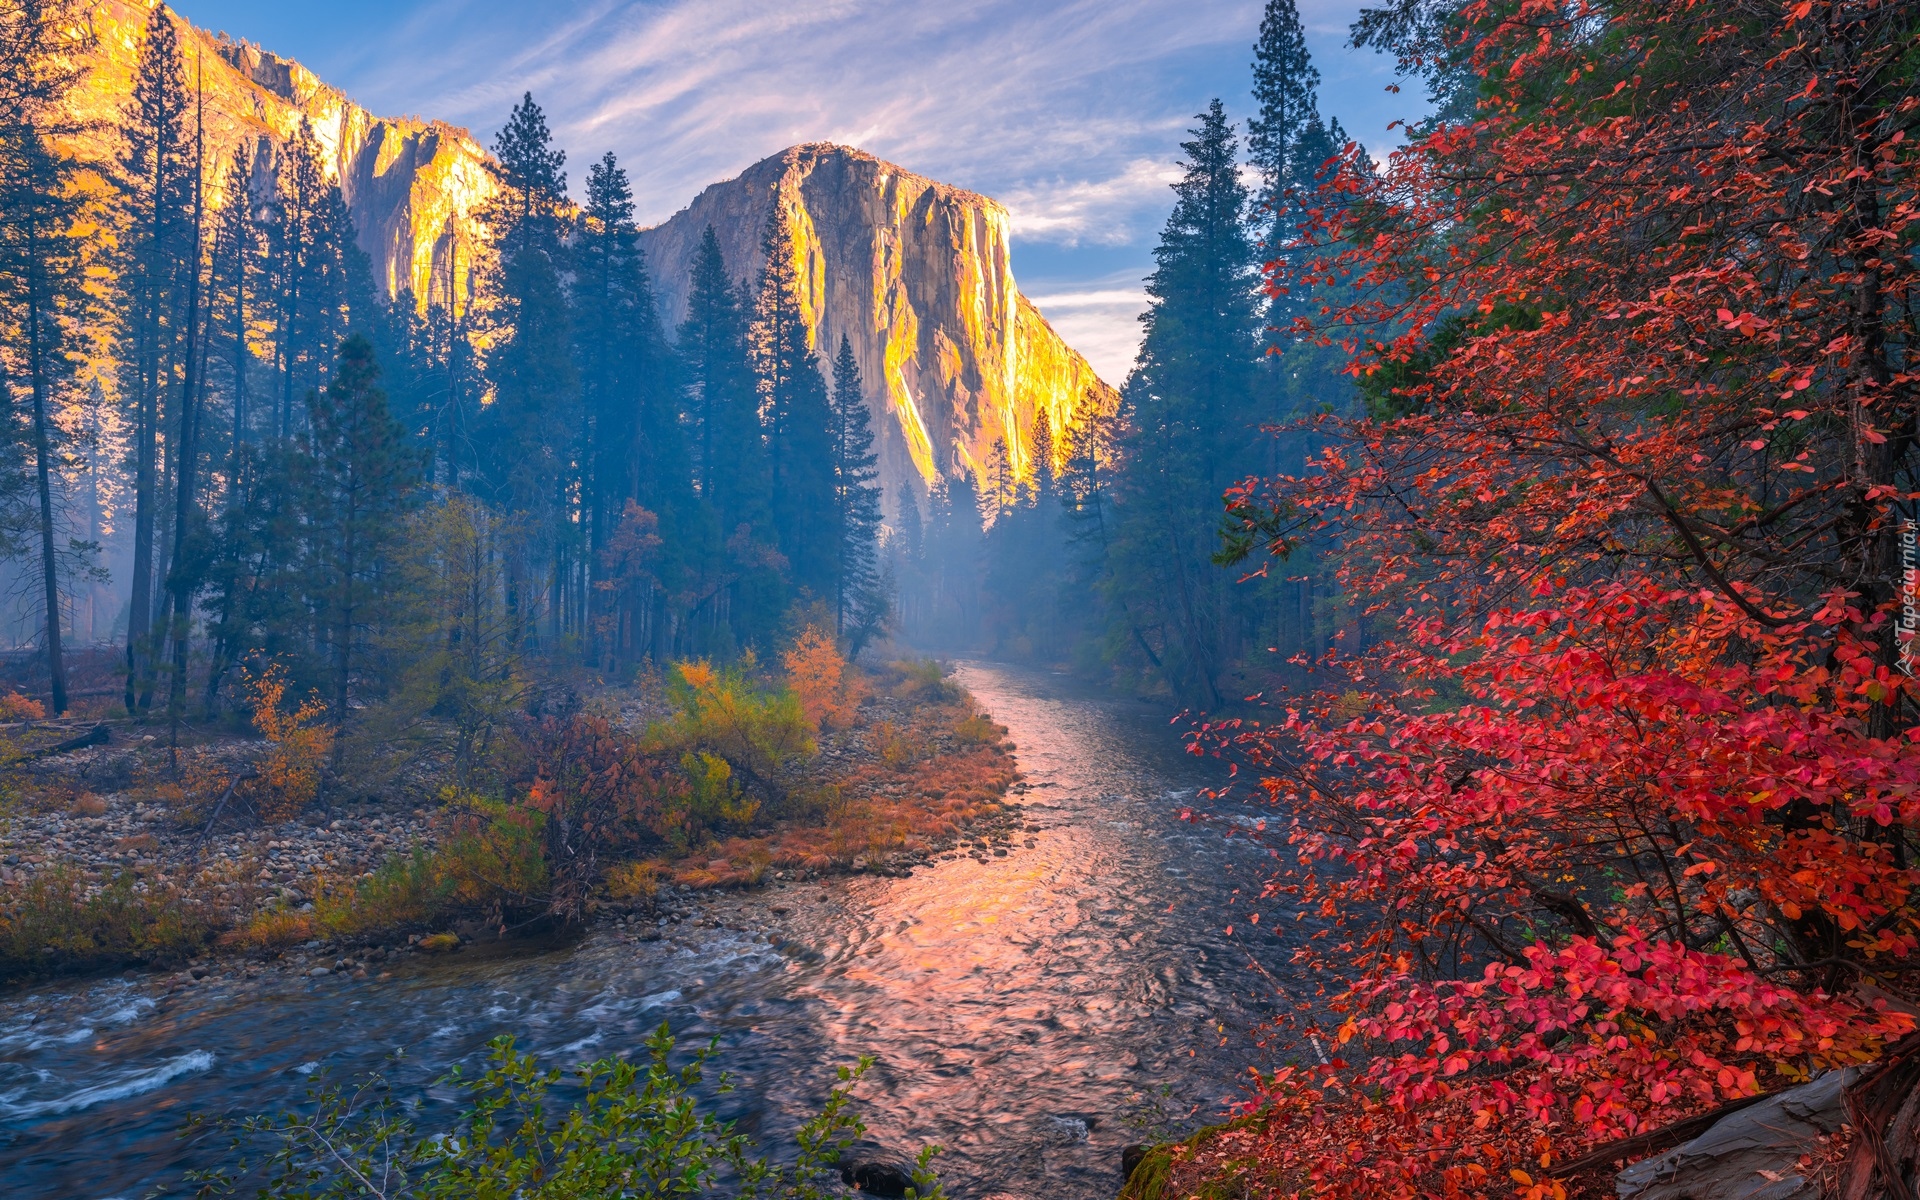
x: 272, y: 929
x: 634, y: 881
x: 980, y: 729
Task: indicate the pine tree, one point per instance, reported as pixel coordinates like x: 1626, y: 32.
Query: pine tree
x: 301, y: 281
x: 636, y: 452
x: 42, y: 265
x: 239, y: 292
x: 721, y: 405
x: 1041, y: 441
x: 529, y: 448
x: 1288, y: 142
x: 359, y: 466
x: 1192, y: 422
x: 1001, y: 483
x: 184, y: 572
x: 856, y: 490
x: 1286, y: 88
x: 794, y: 410
x: 233, y: 286
x: 157, y: 197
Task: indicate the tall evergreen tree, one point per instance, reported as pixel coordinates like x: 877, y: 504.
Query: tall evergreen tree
x: 1286, y: 89
x: 185, y: 570
x: 42, y: 265
x: 1192, y: 417
x: 856, y: 491
x: 298, y: 241
x: 234, y: 283
x: 528, y: 445
x: 359, y: 466
x: 722, y: 406
x: 241, y: 292
x: 1287, y: 140
x: 636, y: 451
x: 794, y: 409
x: 1040, y: 440
x: 157, y: 199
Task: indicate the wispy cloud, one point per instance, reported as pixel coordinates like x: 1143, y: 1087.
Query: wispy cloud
x: 1038, y: 104
x: 1068, y: 111
x: 1105, y: 211
x: 1100, y: 320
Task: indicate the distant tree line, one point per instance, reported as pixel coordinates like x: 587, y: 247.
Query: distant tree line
x: 1102, y: 554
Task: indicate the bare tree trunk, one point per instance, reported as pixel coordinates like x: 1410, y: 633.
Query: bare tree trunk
x: 178, y: 583
x: 50, y: 567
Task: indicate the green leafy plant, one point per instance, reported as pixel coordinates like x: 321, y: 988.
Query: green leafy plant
x: 638, y: 1130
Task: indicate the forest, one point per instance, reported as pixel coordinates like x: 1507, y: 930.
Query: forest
x: 320, y: 472
x: 1526, y: 514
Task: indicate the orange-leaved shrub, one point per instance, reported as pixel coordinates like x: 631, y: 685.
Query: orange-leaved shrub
x: 828, y: 686
x: 287, y: 777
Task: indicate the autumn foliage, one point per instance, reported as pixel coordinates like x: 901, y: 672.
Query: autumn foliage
x: 299, y: 738
x: 828, y: 686
x: 1610, y: 817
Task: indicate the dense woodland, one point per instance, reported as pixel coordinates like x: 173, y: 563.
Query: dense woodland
x: 396, y: 498
x: 378, y: 491
x: 1103, y: 558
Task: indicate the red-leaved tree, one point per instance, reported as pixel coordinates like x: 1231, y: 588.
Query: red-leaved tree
x: 1615, y: 820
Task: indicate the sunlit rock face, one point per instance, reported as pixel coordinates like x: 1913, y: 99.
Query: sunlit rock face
x: 413, y: 186
x: 916, y: 274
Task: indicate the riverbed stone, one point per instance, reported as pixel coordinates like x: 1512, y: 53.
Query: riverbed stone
x: 877, y: 1176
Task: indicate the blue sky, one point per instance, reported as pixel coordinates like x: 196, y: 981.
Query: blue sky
x: 1068, y: 111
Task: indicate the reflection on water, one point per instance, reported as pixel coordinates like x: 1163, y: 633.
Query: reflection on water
x: 1018, y: 1007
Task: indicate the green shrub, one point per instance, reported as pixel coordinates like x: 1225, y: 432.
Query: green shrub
x: 637, y: 1131
x: 51, y: 923
x: 923, y: 678
x: 758, y: 731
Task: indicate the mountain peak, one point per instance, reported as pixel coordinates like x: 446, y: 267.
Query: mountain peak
x: 917, y: 275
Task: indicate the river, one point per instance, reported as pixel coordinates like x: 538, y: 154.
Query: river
x: 1031, y: 1014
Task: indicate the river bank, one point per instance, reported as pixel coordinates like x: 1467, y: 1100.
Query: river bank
x: 1032, y: 1013
x: 107, y: 861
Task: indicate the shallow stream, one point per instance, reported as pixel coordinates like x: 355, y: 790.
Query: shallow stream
x: 1032, y: 1014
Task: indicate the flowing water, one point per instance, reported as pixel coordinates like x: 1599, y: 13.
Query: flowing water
x: 1031, y: 1014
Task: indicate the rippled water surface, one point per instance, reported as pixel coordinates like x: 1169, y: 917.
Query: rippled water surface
x: 1019, y: 1008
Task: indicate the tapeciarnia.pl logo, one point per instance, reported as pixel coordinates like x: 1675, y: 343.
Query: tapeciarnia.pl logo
x: 1908, y: 635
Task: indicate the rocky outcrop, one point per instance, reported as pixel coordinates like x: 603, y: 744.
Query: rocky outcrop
x: 918, y: 277
x: 413, y: 186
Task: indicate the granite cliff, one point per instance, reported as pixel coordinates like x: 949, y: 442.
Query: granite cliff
x: 915, y: 273
x: 413, y: 186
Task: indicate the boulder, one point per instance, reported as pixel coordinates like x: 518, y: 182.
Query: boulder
x: 1751, y: 1154
x: 877, y: 1177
